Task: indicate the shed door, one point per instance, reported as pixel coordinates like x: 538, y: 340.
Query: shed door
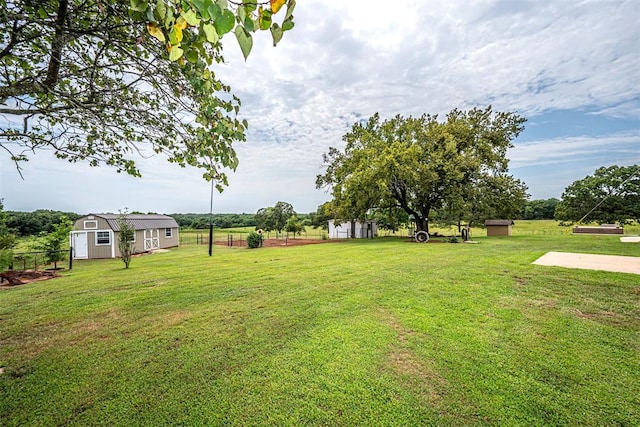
x: 151, y: 239
x: 79, y: 243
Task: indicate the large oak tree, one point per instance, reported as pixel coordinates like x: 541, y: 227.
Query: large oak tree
x: 610, y: 195
x: 420, y: 164
x: 102, y: 80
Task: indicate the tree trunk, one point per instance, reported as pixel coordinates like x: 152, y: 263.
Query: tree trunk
x: 353, y: 229
x: 422, y: 224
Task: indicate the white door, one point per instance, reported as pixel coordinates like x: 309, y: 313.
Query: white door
x: 151, y: 240
x: 79, y: 244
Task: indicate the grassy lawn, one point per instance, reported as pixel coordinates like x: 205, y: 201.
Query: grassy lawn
x: 370, y: 332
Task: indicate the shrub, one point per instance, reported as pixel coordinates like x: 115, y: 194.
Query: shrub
x: 254, y: 240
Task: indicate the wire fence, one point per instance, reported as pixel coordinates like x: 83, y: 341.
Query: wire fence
x: 38, y: 260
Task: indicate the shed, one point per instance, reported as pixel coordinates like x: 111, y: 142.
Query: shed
x: 353, y: 228
x: 96, y: 235
x: 498, y: 227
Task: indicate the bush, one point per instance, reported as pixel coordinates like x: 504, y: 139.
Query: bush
x: 254, y: 240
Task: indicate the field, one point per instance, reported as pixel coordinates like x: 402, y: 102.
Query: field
x: 369, y: 332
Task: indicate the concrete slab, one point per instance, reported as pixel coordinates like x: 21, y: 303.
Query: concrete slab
x: 630, y: 239
x: 615, y: 263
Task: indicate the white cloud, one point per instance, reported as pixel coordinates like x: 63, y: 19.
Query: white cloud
x: 346, y: 60
x: 571, y: 149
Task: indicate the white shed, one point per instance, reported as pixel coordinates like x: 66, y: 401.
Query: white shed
x: 358, y: 229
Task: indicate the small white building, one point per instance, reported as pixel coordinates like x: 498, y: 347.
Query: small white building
x: 357, y: 229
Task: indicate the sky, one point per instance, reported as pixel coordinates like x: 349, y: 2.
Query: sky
x: 571, y: 68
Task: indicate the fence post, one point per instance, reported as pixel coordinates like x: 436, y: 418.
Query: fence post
x: 70, y: 257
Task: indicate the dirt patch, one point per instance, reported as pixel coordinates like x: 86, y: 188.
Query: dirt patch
x: 420, y: 374
x: 14, y: 278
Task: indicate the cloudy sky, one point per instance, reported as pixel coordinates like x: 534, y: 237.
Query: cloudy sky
x: 572, y: 68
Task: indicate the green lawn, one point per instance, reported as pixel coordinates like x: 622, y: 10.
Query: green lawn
x: 368, y: 332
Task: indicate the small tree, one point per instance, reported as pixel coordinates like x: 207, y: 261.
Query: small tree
x: 294, y: 225
x: 54, y: 243
x: 254, y: 240
x: 274, y: 218
x: 126, y: 237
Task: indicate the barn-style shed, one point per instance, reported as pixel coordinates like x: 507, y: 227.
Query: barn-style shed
x: 96, y: 235
x: 498, y: 227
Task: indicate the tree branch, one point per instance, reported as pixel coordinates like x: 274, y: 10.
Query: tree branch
x: 57, y: 45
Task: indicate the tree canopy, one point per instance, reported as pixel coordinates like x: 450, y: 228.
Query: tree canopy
x: 540, y: 209
x: 274, y: 218
x: 610, y: 195
x: 422, y: 165
x: 7, y: 240
x: 104, y: 80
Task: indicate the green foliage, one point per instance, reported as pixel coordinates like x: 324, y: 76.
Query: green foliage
x: 274, y: 218
x: 126, y: 237
x: 320, y: 218
x: 294, y: 226
x: 55, y: 242
x: 37, y: 222
x: 421, y: 165
x: 540, y: 209
x: 254, y: 240
x: 7, y: 240
x: 611, y: 195
x: 98, y: 81
x: 390, y: 219
x: 201, y: 221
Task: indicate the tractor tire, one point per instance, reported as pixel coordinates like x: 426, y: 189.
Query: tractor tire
x: 422, y: 237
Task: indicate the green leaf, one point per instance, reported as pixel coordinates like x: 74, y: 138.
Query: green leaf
x: 175, y: 53
x: 225, y: 22
x: 288, y: 24
x: 139, y: 6
x: 150, y: 16
x: 201, y: 5
x: 290, y: 6
x: 192, y: 56
x: 210, y: 31
x: 242, y: 14
x: 244, y: 40
x: 190, y: 17
x: 265, y: 19
x: 276, y: 33
x: 249, y: 25
x: 161, y: 10
x: 214, y: 11
x: 223, y: 4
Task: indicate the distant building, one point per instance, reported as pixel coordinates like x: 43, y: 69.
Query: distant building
x: 498, y: 227
x: 96, y: 235
x: 353, y: 229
